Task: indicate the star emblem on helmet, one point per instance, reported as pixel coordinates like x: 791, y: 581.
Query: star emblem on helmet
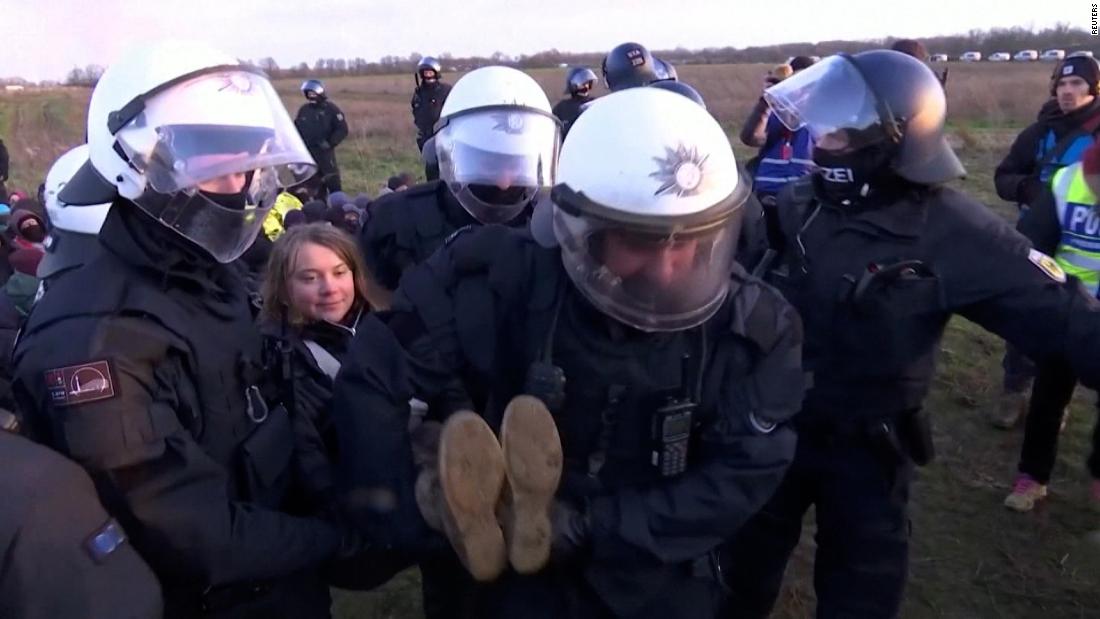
x: 509, y: 123
x: 681, y: 171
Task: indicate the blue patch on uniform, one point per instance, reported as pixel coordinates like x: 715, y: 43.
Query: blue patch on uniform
x: 105, y: 541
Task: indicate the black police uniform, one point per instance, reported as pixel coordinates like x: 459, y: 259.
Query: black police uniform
x: 322, y: 126
x: 4, y: 169
x: 427, y: 103
x: 405, y: 227
x: 568, y: 110
x: 491, y: 303
x: 64, y: 557
x: 144, y: 366
x: 875, y: 288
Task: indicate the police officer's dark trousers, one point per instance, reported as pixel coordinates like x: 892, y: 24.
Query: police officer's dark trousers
x: 860, y: 493
x: 1051, y: 393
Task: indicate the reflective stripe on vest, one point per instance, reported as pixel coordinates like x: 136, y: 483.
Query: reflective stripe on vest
x: 1078, y: 252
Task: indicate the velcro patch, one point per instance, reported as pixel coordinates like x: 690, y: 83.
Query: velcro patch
x: 79, y: 384
x: 1047, y: 265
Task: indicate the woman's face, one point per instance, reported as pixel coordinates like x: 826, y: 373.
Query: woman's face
x: 321, y: 284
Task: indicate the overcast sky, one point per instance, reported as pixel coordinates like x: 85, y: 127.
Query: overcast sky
x: 44, y: 39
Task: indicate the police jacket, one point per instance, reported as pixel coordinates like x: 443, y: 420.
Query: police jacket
x: 405, y: 227
x: 876, y: 287
x: 64, y: 557
x: 568, y: 110
x: 3, y: 163
x: 1054, y: 141
x: 144, y: 367
x: 427, y: 103
x: 489, y: 304
x: 322, y: 125
x: 784, y: 155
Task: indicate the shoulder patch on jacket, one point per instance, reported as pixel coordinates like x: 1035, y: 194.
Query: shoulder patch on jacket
x: 79, y: 384
x: 1047, y: 265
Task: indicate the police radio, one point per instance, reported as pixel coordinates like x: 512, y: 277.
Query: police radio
x: 671, y: 431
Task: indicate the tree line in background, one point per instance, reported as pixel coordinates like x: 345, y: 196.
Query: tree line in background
x: 1061, y: 36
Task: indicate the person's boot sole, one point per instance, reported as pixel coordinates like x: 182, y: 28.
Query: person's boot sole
x: 471, y: 476
x: 533, y: 464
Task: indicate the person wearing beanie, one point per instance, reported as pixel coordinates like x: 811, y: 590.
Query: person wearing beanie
x: 396, y: 183
x: 1061, y: 224
x: 783, y: 155
x: 362, y: 202
x: 1056, y: 140
x: 294, y: 218
x: 28, y: 229
x: 338, y: 199
x: 314, y: 211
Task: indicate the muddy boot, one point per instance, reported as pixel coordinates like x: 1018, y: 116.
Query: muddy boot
x: 533, y: 464
x: 1011, y: 409
x: 471, y: 476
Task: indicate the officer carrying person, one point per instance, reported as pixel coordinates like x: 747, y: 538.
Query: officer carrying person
x: 322, y: 126
x: 1057, y: 139
x: 578, y: 85
x: 152, y: 378
x: 428, y: 98
x: 877, y: 256
x: 497, y: 145
x: 619, y: 349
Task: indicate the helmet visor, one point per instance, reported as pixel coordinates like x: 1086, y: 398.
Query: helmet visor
x: 213, y: 125
x: 650, y: 280
x: 833, y: 102
x: 496, y: 160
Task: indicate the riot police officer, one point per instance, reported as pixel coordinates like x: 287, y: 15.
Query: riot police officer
x: 877, y: 256
x: 428, y: 99
x: 666, y: 371
x: 578, y: 85
x: 144, y: 365
x: 72, y: 238
x: 64, y: 557
x: 322, y: 126
x: 629, y: 65
x: 497, y: 148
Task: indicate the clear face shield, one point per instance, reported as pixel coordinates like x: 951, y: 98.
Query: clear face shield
x: 216, y: 150
x: 650, y: 276
x: 497, y: 160
x: 834, y: 103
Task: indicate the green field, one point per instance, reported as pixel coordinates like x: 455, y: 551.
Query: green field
x: 971, y: 557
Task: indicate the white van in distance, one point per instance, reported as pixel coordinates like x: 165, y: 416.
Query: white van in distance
x: 1053, y: 54
x: 999, y: 57
x: 938, y: 58
x: 1026, y: 55
x: 971, y: 56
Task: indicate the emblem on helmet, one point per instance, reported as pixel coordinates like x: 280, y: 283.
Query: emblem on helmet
x: 681, y: 171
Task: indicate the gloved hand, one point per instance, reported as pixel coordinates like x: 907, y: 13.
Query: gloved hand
x: 569, y: 533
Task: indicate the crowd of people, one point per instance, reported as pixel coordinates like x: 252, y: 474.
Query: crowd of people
x: 601, y: 375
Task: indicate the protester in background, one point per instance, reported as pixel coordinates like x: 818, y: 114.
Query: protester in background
x: 1058, y: 224
x: 1053, y: 142
x: 784, y: 155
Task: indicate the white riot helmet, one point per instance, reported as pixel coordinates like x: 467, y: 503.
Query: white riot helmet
x: 497, y: 142
x: 80, y: 219
x: 198, y: 141
x: 647, y: 209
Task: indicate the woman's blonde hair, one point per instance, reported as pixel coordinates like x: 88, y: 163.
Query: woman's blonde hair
x: 284, y: 255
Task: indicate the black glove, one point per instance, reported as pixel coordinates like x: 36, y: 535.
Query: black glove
x: 570, y: 530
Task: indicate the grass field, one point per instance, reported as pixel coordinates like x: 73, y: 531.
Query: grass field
x: 971, y: 557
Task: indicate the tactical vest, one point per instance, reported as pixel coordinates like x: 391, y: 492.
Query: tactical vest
x: 1078, y: 252
x: 1051, y: 160
x: 785, y: 156
x: 222, y: 355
